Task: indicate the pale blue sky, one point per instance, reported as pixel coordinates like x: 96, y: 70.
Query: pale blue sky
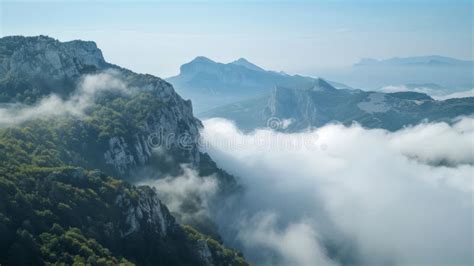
x: 298, y: 36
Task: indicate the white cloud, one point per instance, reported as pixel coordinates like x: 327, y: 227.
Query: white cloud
x: 297, y: 243
x: 459, y: 94
x: 52, y: 105
x: 437, y: 143
x: 188, y: 196
x: 437, y: 94
x: 394, y: 88
x: 350, y: 195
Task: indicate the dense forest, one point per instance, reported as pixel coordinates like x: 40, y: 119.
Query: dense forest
x: 55, y: 208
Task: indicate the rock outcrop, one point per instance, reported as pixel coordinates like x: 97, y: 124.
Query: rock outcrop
x: 147, y: 212
x: 293, y: 110
x: 34, y: 67
x: 47, y: 58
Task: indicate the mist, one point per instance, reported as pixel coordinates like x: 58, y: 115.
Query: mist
x: 347, y: 195
x: 453, y: 77
x: 439, y: 94
x: 454, y: 95
x: 188, y: 196
x: 84, y: 96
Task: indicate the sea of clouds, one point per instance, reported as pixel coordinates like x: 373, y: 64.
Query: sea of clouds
x: 334, y: 195
x: 348, y: 195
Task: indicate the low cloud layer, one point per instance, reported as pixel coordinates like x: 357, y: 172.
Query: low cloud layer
x: 437, y: 94
x: 189, y: 197
x: 348, y: 195
x: 454, y: 95
x: 84, y: 96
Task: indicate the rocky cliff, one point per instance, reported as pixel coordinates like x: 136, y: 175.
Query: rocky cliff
x: 293, y: 110
x: 36, y: 66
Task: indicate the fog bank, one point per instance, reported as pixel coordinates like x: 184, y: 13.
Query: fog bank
x: 349, y: 195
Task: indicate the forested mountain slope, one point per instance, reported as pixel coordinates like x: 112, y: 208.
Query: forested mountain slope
x: 74, y: 127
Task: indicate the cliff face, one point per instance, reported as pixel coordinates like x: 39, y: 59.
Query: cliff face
x: 33, y: 67
x: 391, y: 111
x: 290, y: 104
x: 293, y: 110
x: 147, y: 212
x: 169, y: 127
x: 49, y: 59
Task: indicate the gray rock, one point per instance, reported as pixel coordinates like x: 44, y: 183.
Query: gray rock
x: 293, y: 110
x: 146, y: 212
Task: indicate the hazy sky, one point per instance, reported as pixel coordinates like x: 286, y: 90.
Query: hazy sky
x: 298, y: 37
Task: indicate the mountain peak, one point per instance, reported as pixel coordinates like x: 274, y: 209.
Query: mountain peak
x: 199, y: 63
x: 48, y: 60
x: 241, y: 61
x: 42, y: 41
x: 245, y: 63
x: 201, y: 59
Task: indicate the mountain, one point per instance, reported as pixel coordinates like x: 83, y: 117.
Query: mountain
x: 75, y: 130
x: 372, y: 74
x: 293, y: 110
x: 35, y: 67
x: 243, y: 62
x: 209, y: 84
x: 431, y: 61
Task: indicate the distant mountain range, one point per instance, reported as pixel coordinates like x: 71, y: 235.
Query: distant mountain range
x: 293, y: 110
x: 209, y: 84
x: 432, y: 61
x: 372, y: 74
x: 252, y: 96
